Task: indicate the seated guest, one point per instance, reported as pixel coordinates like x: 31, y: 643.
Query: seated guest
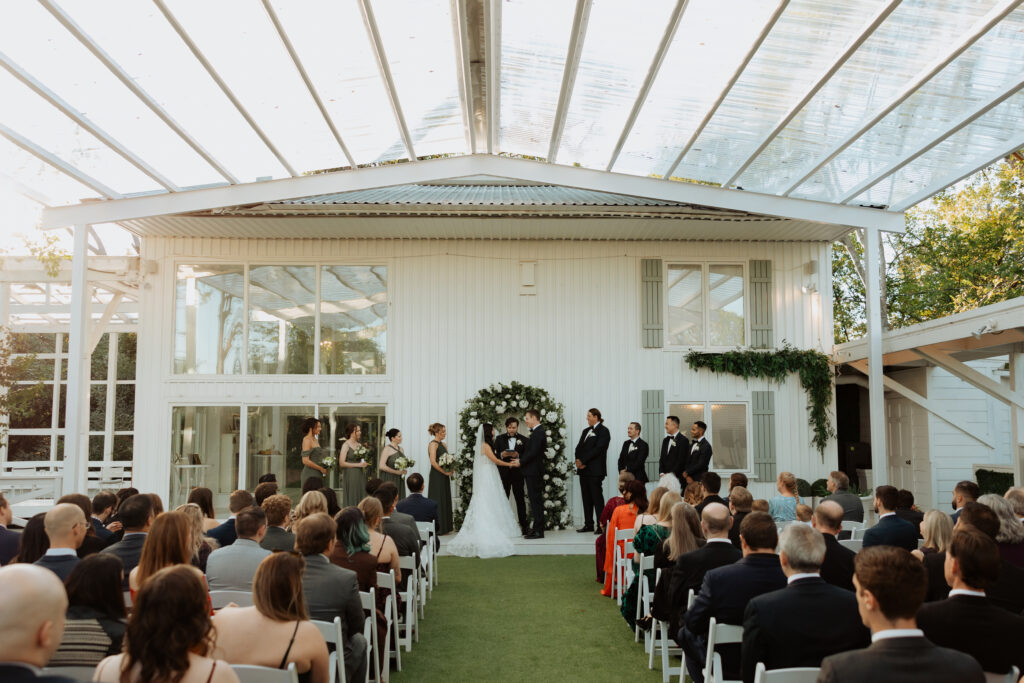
x: 650, y: 515
x: 332, y: 501
x: 890, y: 588
x: 737, y: 479
x: 1011, y: 532
x: 232, y: 568
x: 331, y: 591
x: 276, y: 630
x: 96, y: 613
x: 890, y: 529
x: 685, y: 536
x: 396, y: 515
x: 760, y: 505
x: 964, y: 492
x: 606, y: 515
x: 781, y: 628
x: 838, y: 486
x: 650, y: 541
x: 623, y: 517
x: 114, y: 522
x: 169, y: 636
x: 263, y: 491
x: 92, y: 543
x: 312, y: 484
x: 201, y: 545
x: 65, y: 526
x: 225, y: 534
x: 740, y: 502
x: 32, y: 607
x: 277, y: 508
x: 1016, y: 497
x: 803, y: 513
x: 693, y: 494
x: 203, y: 497
x: 382, y: 546
x: 418, y: 506
x: 906, y: 510
x: 406, y: 540
x: 725, y: 592
x: 710, y: 485
x: 352, y: 551
x: 158, y: 504
x: 782, y: 507
x: 311, y: 503
x: 267, y: 477
x: 837, y: 565
x: 168, y: 543
x: 9, y: 538
x: 966, y: 620
x: 103, y: 504
x: 34, y: 541
x: 937, y: 532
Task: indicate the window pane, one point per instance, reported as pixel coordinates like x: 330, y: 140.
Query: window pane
x: 282, y: 315
x: 123, y: 447
x: 204, y: 452
x: 33, y: 343
x: 100, y: 357
x: 728, y: 436
x: 208, y: 320
x: 95, y: 447
x: 63, y: 405
x: 27, y: 368
x: 688, y: 413
x: 31, y: 407
x: 126, y: 343
x: 21, y: 448
x: 335, y: 419
x: 275, y: 445
x: 97, y: 407
x: 353, y: 320
x: 726, y: 285
x: 124, y: 408
x: 685, y: 305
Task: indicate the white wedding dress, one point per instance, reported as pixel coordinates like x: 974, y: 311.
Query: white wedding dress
x: 490, y: 525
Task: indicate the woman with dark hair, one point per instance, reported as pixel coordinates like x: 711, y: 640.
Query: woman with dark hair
x: 34, y: 541
x: 439, y: 487
x: 276, y: 631
x: 312, y: 453
x: 203, y: 497
x: 115, y: 520
x: 332, y: 501
x: 387, y: 465
x: 168, y: 542
x: 96, y: 615
x: 624, y: 517
x: 311, y: 484
x: 170, y: 636
x: 352, y: 461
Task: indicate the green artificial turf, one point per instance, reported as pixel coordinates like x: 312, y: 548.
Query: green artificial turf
x: 522, y: 619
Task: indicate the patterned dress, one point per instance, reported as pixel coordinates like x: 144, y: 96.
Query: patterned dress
x: 440, y: 491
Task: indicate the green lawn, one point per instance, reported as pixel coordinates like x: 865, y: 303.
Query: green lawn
x: 520, y: 619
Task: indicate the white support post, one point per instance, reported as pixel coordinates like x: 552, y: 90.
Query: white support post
x: 876, y: 399
x: 76, y: 447
x: 1017, y: 415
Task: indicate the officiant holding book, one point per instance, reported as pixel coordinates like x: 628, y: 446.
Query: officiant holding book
x: 591, y: 468
x: 509, y: 446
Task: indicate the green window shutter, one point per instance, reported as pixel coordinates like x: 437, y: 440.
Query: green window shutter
x: 761, y: 305
x: 764, y: 435
x: 652, y: 423
x: 652, y: 327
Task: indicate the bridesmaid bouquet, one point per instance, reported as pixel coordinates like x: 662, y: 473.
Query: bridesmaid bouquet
x: 402, y: 463
x: 446, y: 460
x: 363, y: 453
x: 329, y: 462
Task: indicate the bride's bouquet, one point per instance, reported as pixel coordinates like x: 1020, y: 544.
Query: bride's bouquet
x: 403, y: 463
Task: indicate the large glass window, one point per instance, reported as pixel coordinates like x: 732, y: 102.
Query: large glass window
x: 208, y: 319
x: 204, y: 452
x: 685, y: 305
x: 725, y: 306
x: 275, y: 444
x: 282, y: 318
x: 353, y: 320
x: 706, y: 305
x: 727, y: 430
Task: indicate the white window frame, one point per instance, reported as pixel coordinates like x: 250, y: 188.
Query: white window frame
x: 705, y: 264
x: 710, y: 433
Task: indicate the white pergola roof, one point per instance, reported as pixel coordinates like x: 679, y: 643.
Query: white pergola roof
x: 809, y: 103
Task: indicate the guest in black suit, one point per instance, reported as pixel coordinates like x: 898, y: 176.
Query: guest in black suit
x: 592, y: 468
x: 699, y: 460
x: 740, y: 505
x: 963, y: 493
x: 225, y: 533
x: 727, y: 590
x: 136, y: 514
x: 633, y: 455
x: 711, y: 483
x: 674, y: 450
x: 9, y: 538
x: 781, y: 628
x: 837, y: 565
x: 103, y: 504
x: 907, y: 511
x: 66, y: 527
x: 890, y: 587
x: 511, y: 477
x: 31, y: 623
x: 531, y: 462
x: 419, y: 506
x: 890, y: 529
x: 967, y: 621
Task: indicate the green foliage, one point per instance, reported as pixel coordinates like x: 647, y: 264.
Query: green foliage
x: 48, y: 252
x: 990, y: 481
x: 803, y: 489
x: 21, y: 402
x: 819, y: 488
x: 847, y: 296
x: 811, y: 366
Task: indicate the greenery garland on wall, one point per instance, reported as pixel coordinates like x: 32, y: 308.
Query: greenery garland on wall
x: 812, y: 366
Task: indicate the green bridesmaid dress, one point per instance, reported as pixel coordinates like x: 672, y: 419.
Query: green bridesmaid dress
x: 389, y: 460
x: 353, y: 481
x: 440, y: 491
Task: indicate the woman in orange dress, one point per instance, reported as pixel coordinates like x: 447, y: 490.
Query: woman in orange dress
x: 624, y: 517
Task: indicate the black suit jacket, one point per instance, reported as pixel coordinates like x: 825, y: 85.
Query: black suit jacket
x: 91, y: 545
x: 783, y: 628
x: 61, y: 565
x: 894, y: 531
x: 698, y: 461
x: 1006, y: 593
x: 837, y: 567
x: 734, y: 530
x: 674, y: 460
x: 974, y: 625
x: 912, y: 516
x: 532, y: 459
x: 501, y: 444
x: 224, y: 534
x: 593, y: 452
x: 9, y: 542
x: 691, y: 567
x: 713, y: 498
x: 634, y: 462
x: 907, y: 660
x: 19, y: 673
x: 129, y: 550
x: 101, y: 531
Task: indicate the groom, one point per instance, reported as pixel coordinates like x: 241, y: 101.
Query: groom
x: 531, y: 465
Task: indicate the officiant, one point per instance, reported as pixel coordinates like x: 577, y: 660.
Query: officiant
x: 509, y: 446
x: 591, y: 467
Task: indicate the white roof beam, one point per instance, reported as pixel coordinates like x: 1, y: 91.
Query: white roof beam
x: 460, y: 34
x: 492, y: 45
x: 385, y: 73
x: 134, y: 87
x: 652, y: 73
x: 962, y: 123
x: 983, y: 26
x: 470, y: 165
x: 572, y: 65
x: 869, y: 29
x: 968, y: 374
x: 306, y: 79
x: 58, y: 163
x: 754, y: 47
x: 78, y: 117
x: 198, y: 54
x: 26, y: 191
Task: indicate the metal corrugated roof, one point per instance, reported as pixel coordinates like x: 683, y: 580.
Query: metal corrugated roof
x: 481, y: 195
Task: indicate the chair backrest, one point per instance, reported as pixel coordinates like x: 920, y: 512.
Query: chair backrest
x: 79, y: 673
x: 853, y: 545
x: 331, y: 631
x: 387, y: 580
x: 847, y: 525
x: 690, y: 597
x: 221, y: 599
x: 407, y: 563
x: 646, y: 562
x: 624, y: 535
x: 264, y: 674
x: 369, y: 600
x: 794, y: 675
x: 1011, y: 677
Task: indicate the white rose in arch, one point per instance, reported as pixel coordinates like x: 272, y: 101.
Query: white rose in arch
x: 550, y: 453
x: 552, y: 416
x: 561, y: 431
x: 474, y: 423
x: 523, y: 404
x: 547, y: 476
x: 473, y: 414
x: 556, y: 446
x: 492, y: 403
x: 548, y: 504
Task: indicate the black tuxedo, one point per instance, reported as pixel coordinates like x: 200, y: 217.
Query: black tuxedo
x: 907, y: 660
x: 531, y: 463
x: 224, y: 534
x: 512, y: 477
x: 689, y: 573
x: 783, y: 628
x: 634, y: 462
x: 972, y: 624
x: 891, y: 530
x: 699, y: 459
x: 674, y: 459
x: 592, y: 452
x: 837, y: 567
x: 129, y: 550
x: 1007, y: 592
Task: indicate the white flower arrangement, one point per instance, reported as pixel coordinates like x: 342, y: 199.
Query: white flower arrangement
x: 474, y: 423
x: 329, y: 462
x: 523, y: 404
x: 550, y: 453
x: 552, y: 416
x: 546, y: 477
x: 549, y: 504
x: 561, y: 432
x: 403, y: 463
x: 472, y: 413
x: 446, y: 460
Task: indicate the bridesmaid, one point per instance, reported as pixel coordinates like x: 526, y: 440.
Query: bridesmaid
x: 387, y: 470
x: 312, y: 454
x: 440, y: 490
x: 353, y: 475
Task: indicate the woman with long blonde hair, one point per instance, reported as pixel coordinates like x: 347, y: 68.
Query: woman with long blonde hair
x: 311, y: 503
x: 653, y: 504
x: 650, y: 541
x: 201, y: 544
x: 937, y: 531
x: 782, y: 507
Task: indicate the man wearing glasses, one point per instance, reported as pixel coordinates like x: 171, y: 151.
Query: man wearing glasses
x: 65, y: 527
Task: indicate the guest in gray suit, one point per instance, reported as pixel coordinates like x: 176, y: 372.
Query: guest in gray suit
x: 838, y: 487
x: 278, y: 537
x: 331, y: 591
x: 65, y: 527
x: 232, y: 568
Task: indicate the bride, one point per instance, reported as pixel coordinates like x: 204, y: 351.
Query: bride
x: 490, y: 525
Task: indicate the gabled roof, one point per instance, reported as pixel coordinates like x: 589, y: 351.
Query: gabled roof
x: 478, y: 195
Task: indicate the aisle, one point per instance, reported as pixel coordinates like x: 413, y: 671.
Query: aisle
x: 521, y: 618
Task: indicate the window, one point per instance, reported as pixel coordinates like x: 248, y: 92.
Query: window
x: 282, y: 316
x: 727, y: 430
x: 706, y: 305
x: 208, y: 319
x: 204, y: 452
x: 353, y: 320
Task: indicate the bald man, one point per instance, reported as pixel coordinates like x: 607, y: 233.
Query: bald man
x: 66, y: 527
x: 32, y: 607
x: 837, y: 566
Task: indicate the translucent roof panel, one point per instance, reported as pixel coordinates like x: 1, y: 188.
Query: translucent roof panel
x: 534, y: 43
x: 19, y: 168
x: 915, y: 34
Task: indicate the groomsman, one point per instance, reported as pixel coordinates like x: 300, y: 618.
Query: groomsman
x: 634, y: 453
x: 512, y: 477
x: 700, y: 453
x: 673, y: 450
x: 592, y: 466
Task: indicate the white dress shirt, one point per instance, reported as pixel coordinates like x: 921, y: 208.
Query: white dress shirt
x: 897, y: 633
x: 801, y: 576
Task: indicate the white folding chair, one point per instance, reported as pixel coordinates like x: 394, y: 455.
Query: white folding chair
x: 856, y: 529
x: 1011, y: 677
x: 369, y: 627
x: 221, y: 599
x: 248, y: 673
x: 409, y: 628
x: 802, y: 674
x: 428, y: 533
x: 719, y: 634
x: 853, y: 545
x: 661, y: 643
x: 643, y: 595
x: 128, y: 599
x: 621, y: 555
x: 79, y: 673
x: 331, y: 631
x: 388, y: 581
x: 369, y: 601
